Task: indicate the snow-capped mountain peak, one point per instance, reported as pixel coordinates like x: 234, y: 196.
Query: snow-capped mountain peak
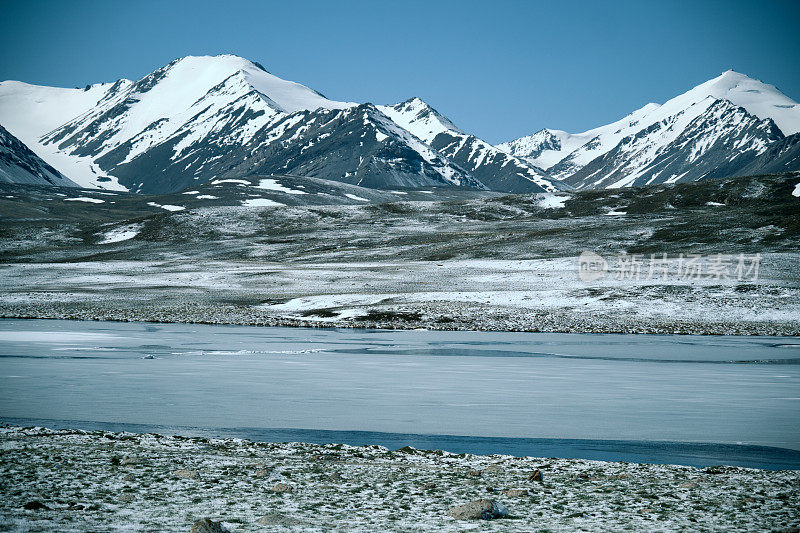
x: 190, y: 77
x: 758, y: 98
x: 546, y: 147
x: 493, y: 167
x: 564, y: 155
x: 416, y: 116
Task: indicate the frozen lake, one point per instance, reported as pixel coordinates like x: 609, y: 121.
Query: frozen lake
x: 415, y: 387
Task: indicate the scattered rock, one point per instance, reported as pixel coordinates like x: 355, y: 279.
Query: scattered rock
x: 76, y: 507
x: 263, y: 472
x: 277, y: 519
x: 430, y: 485
x: 130, y: 461
x: 282, y: 487
x: 688, y: 485
x: 493, y: 468
x: 186, y: 474
x: 326, y: 457
x: 536, y: 475
x: 478, y: 510
x: 127, y: 498
x: 516, y: 493
x: 206, y: 525
x: 474, y: 473
x: 35, y: 505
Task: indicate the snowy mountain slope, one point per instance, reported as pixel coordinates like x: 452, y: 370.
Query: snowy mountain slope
x: 546, y: 147
x: 357, y: 145
x: 714, y: 144
x: 201, y: 117
x: 779, y: 157
x: 18, y: 164
x: 31, y: 111
x: 496, y: 169
x: 420, y: 119
x: 573, y: 151
x: 192, y: 97
x: 490, y: 165
x: 758, y: 99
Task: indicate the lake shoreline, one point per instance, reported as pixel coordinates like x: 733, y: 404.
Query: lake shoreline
x: 694, y: 454
x: 70, y: 480
x: 520, y: 323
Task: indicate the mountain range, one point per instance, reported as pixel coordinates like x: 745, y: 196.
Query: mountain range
x: 203, y: 118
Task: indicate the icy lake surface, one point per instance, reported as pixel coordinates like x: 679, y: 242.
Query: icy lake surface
x: 415, y: 387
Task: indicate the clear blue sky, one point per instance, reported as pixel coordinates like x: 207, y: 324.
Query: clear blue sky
x: 499, y: 69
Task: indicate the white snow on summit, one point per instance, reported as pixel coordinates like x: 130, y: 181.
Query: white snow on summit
x: 564, y: 157
x: 419, y: 118
x: 758, y: 98
x: 147, y: 112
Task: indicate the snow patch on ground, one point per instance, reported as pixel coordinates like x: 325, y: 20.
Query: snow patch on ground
x: 85, y: 199
x: 273, y: 185
x: 122, y: 233
x: 261, y: 202
x: 552, y: 201
x: 354, y: 197
x: 240, y: 182
x: 168, y: 207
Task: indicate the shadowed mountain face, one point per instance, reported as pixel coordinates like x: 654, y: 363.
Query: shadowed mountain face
x: 18, y: 164
x: 781, y: 155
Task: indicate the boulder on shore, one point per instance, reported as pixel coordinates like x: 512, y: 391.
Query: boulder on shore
x: 478, y: 510
x: 206, y: 525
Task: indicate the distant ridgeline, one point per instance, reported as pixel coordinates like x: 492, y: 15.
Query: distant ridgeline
x: 204, y: 118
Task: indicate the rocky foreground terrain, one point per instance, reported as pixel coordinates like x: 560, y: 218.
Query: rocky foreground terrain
x: 65, y: 480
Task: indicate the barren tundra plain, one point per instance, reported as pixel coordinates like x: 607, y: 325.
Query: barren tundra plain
x: 287, y: 250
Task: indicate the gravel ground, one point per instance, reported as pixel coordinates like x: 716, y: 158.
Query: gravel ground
x: 494, y: 295
x: 99, y: 481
